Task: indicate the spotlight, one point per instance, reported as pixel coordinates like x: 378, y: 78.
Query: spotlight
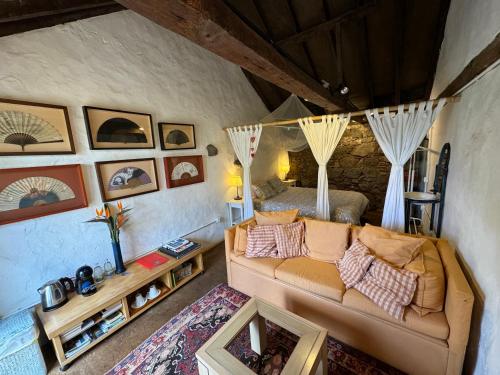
x: 344, y: 90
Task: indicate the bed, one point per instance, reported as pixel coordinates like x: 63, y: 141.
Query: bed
x: 345, y: 206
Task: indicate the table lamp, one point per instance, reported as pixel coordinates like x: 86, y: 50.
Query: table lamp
x: 236, y: 181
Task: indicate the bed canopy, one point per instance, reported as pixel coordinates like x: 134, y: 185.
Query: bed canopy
x: 399, y: 130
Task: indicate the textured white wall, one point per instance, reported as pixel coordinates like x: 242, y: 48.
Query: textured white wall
x: 126, y: 62
x: 472, y: 216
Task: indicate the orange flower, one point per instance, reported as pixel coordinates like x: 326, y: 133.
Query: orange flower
x: 98, y: 212
x: 120, y: 205
x: 108, y: 214
x: 120, y: 220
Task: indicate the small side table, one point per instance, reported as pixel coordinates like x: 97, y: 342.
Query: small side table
x: 290, y: 182
x: 234, y: 211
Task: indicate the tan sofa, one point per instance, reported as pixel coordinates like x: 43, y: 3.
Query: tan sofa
x: 432, y: 344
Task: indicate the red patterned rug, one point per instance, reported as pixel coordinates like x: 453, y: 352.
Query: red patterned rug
x: 171, y: 350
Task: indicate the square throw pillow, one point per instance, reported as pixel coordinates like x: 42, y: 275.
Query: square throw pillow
x: 276, y: 217
x: 264, y: 191
x: 240, y: 240
x: 430, y: 292
x: 289, y: 239
x: 353, y: 266
x: 277, y: 184
x: 261, y: 242
x: 396, y: 249
x: 326, y: 241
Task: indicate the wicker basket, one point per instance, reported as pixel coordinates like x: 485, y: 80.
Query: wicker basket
x: 185, y: 271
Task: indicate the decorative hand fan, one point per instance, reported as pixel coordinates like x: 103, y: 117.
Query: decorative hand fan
x: 184, y: 170
x: 21, y: 128
x: 33, y: 192
x: 128, y: 178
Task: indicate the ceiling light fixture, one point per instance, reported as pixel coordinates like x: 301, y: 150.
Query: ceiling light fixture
x: 344, y: 90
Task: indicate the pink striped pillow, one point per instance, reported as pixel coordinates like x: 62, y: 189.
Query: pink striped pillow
x: 289, y: 239
x: 261, y: 242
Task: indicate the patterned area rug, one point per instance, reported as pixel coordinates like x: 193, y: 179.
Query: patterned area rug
x: 171, y: 350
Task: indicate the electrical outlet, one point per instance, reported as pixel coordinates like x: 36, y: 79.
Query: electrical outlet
x: 218, y: 219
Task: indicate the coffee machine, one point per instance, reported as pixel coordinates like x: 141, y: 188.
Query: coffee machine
x: 85, y: 284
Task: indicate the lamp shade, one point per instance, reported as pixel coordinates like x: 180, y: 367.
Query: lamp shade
x: 235, y: 181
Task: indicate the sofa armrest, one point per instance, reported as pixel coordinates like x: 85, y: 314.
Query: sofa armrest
x: 459, y: 301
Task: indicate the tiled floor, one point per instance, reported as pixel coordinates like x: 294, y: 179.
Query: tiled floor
x: 109, y: 352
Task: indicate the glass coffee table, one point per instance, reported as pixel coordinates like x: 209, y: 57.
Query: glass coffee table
x: 308, y: 357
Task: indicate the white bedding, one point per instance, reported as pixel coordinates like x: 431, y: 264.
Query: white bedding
x: 345, y: 206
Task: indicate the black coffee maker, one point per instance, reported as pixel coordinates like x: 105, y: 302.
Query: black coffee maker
x: 84, y: 283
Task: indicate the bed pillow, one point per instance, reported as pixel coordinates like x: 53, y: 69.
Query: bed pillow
x: 325, y: 240
x: 263, y: 191
x: 394, y: 248
x: 430, y: 292
x: 276, y: 217
x: 289, y: 239
x: 277, y: 184
x: 261, y: 242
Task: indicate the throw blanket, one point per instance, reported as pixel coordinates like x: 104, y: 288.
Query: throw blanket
x: 389, y: 288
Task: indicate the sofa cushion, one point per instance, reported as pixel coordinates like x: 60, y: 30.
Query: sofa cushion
x: 265, y: 266
x: 429, y: 295
x: 240, y: 240
x: 276, y: 217
x: 326, y: 241
x: 394, y: 248
x: 317, y: 277
x: 261, y: 241
x: 289, y: 239
x: 434, y: 325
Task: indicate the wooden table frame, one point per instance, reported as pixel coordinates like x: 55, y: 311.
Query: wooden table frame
x: 308, y: 357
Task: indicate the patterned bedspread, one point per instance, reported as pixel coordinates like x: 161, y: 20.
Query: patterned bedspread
x: 345, y: 206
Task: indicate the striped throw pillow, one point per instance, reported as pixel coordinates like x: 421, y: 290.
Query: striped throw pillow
x: 353, y: 266
x: 261, y: 242
x: 289, y: 239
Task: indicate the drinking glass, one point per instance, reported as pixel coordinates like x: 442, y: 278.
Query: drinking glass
x: 109, y: 270
x: 98, y: 274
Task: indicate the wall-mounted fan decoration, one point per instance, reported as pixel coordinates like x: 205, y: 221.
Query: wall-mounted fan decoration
x: 176, y: 136
x: 27, y: 193
x: 114, y: 129
x: 183, y: 170
x: 120, y: 179
x: 32, y: 128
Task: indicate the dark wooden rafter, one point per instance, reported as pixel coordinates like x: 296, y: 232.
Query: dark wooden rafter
x: 398, y: 48
x: 438, y: 40
x: 486, y: 58
x: 22, y: 16
x: 365, y: 53
x: 258, y: 90
x: 328, y: 25
x: 212, y: 25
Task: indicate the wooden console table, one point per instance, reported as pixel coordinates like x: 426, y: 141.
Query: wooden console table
x: 113, y: 291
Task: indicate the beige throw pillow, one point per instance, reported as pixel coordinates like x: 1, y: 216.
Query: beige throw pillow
x: 240, y: 240
x: 394, y: 248
x: 430, y: 292
x: 276, y: 217
x: 326, y: 241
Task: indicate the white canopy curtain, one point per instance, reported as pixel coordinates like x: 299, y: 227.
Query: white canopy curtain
x: 399, y: 135
x: 323, y: 137
x: 245, y: 140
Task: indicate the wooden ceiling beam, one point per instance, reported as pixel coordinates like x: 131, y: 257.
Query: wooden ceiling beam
x: 398, y: 48
x: 212, y: 25
x: 328, y: 25
x: 365, y: 56
x: 21, y: 16
x: 479, y: 64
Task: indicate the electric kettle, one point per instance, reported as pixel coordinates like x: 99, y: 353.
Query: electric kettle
x: 53, y: 294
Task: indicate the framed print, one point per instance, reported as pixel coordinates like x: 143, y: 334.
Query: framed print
x: 120, y: 179
x: 183, y: 170
x: 176, y: 136
x: 28, y: 128
x: 26, y: 193
x: 109, y: 129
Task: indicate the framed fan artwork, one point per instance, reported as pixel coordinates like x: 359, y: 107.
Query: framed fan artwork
x: 183, y: 170
x: 176, y: 136
x: 26, y: 193
x: 28, y: 128
x: 109, y: 129
x: 120, y: 179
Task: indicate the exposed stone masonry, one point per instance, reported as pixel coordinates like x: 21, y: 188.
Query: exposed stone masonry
x: 357, y: 164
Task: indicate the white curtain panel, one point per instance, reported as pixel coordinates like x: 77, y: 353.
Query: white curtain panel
x: 399, y: 134
x: 245, y: 140
x: 323, y: 137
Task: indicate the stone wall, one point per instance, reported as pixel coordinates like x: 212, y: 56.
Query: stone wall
x: 357, y: 164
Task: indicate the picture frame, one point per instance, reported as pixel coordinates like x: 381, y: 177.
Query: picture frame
x: 27, y: 193
x: 113, y: 129
x: 176, y: 136
x: 29, y: 128
x: 120, y: 179
x: 183, y: 170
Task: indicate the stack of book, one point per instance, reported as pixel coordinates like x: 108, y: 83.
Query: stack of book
x: 76, y: 344
x: 111, y: 321
x: 179, y: 247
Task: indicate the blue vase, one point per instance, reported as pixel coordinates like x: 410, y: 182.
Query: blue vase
x: 117, y: 253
